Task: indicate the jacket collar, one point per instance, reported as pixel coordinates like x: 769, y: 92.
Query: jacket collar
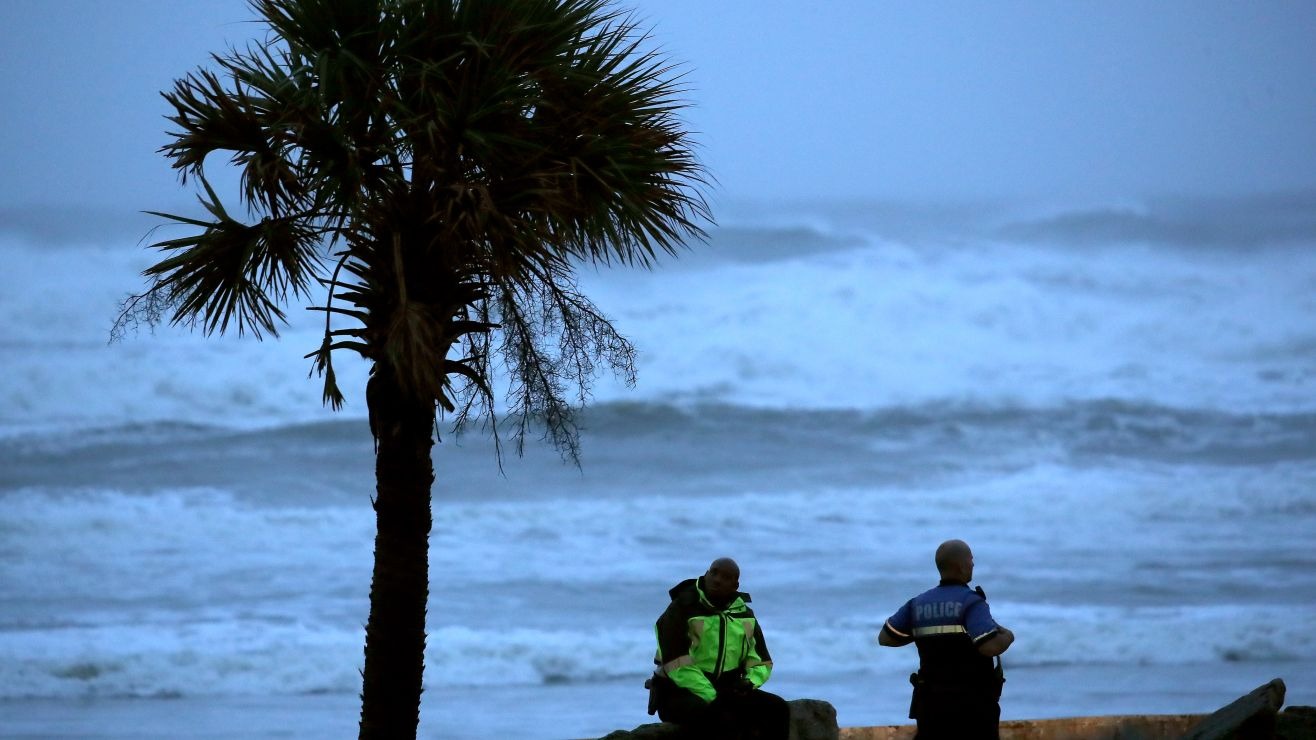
x: 696, y: 585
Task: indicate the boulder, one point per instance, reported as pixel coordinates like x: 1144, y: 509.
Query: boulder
x: 1249, y: 716
x: 811, y: 719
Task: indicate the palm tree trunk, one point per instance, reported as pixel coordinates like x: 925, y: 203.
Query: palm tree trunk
x: 395, y: 633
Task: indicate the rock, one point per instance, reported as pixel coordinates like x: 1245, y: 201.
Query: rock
x: 1296, y: 723
x: 1249, y: 716
x: 657, y: 731
x: 811, y: 719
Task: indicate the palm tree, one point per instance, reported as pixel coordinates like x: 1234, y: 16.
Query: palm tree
x: 428, y: 174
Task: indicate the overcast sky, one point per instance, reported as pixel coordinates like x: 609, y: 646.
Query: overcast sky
x: 1109, y: 99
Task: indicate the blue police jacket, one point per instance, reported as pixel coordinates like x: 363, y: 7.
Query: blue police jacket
x: 947, y: 624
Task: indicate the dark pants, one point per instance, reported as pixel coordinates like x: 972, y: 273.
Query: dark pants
x: 752, y: 715
x: 955, y: 714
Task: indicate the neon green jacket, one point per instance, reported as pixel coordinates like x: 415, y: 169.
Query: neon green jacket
x: 700, y: 645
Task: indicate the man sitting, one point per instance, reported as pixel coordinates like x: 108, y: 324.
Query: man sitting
x: 712, y: 662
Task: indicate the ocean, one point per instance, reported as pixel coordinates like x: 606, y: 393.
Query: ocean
x: 1114, y: 404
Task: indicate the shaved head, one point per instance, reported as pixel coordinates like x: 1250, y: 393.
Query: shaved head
x: 722, y: 581
x: 955, y: 561
x: 726, y: 565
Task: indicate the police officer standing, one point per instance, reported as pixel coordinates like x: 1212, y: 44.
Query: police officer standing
x: 957, y: 689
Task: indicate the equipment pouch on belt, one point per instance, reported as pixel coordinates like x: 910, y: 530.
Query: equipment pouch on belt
x: 914, y: 696
x: 998, y: 673
x: 998, y: 679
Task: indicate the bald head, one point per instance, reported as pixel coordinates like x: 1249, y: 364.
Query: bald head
x: 726, y: 565
x: 955, y: 561
x: 722, y: 581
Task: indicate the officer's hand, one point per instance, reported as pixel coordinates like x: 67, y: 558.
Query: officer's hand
x: 743, y: 686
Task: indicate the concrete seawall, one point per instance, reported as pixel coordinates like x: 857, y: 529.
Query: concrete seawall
x: 1254, y: 715
x: 1128, y: 727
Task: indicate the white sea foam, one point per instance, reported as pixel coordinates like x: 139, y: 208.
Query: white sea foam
x: 1117, y: 428
x: 260, y: 657
x: 853, y: 321
x: 197, y: 592
x: 893, y: 325
x: 62, y: 372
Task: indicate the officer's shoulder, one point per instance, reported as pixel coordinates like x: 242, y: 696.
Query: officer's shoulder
x: 972, y: 597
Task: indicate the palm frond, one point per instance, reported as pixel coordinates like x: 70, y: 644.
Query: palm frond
x: 235, y: 273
